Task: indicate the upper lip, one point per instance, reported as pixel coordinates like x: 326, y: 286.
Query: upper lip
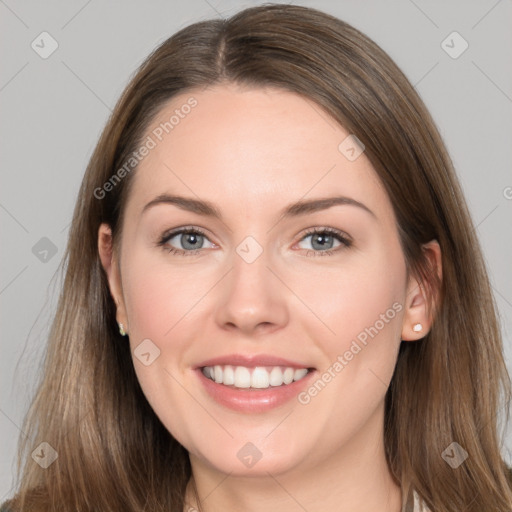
x: 251, y: 361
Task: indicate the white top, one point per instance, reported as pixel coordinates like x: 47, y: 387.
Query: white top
x: 417, y: 507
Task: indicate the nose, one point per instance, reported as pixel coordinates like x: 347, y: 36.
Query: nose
x: 253, y: 299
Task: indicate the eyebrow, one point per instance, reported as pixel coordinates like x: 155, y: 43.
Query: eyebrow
x: 297, y: 209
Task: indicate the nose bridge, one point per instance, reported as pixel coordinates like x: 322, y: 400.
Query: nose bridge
x: 251, y: 263
x: 252, y: 295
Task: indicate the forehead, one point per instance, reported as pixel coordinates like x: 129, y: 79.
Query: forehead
x: 249, y: 147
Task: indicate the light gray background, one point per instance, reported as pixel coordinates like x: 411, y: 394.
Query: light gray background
x: 52, y: 112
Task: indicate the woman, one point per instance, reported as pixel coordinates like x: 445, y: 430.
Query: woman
x: 203, y: 357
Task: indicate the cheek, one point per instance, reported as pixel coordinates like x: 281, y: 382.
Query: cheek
x: 161, y: 306
x: 165, y: 305
x: 158, y: 298
x: 360, y: 304
x: 150, y: 303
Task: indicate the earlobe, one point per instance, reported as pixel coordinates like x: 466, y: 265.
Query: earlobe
x: 415, y: 325
x: 418, y: 319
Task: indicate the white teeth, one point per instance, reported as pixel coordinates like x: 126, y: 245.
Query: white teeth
x: 300, y: 373
x: 288, y: 375
x: 276, y: 377
x: 259, y: 377
x: 242, y: 377
x: 228, y: 376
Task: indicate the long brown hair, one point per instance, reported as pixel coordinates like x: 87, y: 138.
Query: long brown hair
x: 113, y: 452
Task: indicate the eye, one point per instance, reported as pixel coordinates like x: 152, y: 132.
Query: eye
x: 191, y: 239
x: 323, y: 239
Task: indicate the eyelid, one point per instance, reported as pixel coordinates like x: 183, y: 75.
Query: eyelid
x: 326, y: 229
x: 170, y: 233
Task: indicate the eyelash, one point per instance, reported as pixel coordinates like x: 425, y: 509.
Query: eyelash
x: 346, y: 243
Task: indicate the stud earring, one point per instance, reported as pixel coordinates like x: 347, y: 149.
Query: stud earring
x: 122, y: 332
x: 417, y: 327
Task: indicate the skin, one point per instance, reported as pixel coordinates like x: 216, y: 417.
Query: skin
x: 251, y: 152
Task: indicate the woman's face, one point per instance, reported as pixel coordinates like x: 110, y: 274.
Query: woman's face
x: 252, y: 287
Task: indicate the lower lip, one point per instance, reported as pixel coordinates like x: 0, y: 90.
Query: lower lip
x: 250, y: 399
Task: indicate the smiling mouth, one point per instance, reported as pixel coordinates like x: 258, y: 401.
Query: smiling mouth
x: 259, y: 377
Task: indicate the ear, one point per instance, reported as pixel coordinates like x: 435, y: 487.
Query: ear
x: 416, y: 306
x: 109, y: 262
